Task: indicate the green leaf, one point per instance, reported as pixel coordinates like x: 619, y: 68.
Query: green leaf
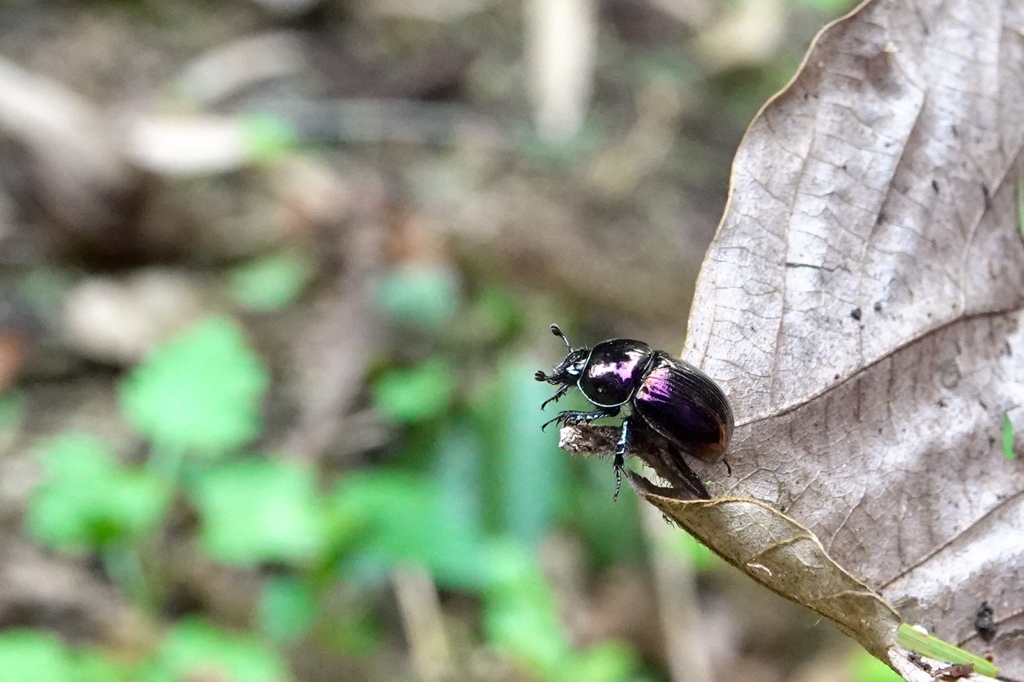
x: 78, y: 456
x: 94, y: 666
x: 1008, y: 452
x: 607, y: 662
x: 911, y: 638
x: 30, y: 656
x: 412, y: 395
x: 89, y: 500
x: 287, y: 608
x: 271, y: 282
x: 534, y: 474
x: 830, y: 7
x: 194, y: 649
x: 1020, y: 205
x: 260, y: 510
x: 427, y: 296
x: 521, y: 613
x: 457, y: 471
x: 200, y: 391
x: 35, y: 656
x: 403, y: 518
x: 521, y: 617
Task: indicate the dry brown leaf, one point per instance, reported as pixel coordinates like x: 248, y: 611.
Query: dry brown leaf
x: 861, y: 304
x: 772, y: 543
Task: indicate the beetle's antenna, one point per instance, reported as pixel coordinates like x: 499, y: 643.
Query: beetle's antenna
x: 558, y: 332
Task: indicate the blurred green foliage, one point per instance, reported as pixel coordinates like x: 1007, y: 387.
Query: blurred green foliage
x: 863, y: 667
x: 194, y: 649
x: 12, y: 409
x: 1020, y: 205
x: 415, y: 394
x: 267, y: 137
x: 475, y: 489
x: 33, y: 656
x: 521, y: 617
x: 270, y: 282
x: 284, y: 522
x: 423, y: 295
x: 1008, y: 452
x: 90, y: 501
x: 201, y: 392
x: 287, y: 608
x: 403, y: 518
x: 829, y: 7
x: 684, y: 546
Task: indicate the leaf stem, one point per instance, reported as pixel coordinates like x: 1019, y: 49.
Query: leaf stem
x: 933, y: 647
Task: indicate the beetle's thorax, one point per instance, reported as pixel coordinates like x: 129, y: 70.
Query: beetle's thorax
x: 614, y: 370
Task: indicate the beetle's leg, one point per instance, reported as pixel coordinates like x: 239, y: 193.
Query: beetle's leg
x: 695, y: 484
x: 670, y: 464
x: 567, y: 417
x: 562, y: 390
x: 688, y: 478
x: 621, y: 448
x: 728, y: 468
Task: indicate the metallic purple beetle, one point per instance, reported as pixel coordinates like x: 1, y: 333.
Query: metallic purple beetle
x: 666, y: 395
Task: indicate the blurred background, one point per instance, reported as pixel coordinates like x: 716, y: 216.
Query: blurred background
x: 275, y: 276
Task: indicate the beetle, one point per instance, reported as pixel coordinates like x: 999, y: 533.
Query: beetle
x: 665, y: 395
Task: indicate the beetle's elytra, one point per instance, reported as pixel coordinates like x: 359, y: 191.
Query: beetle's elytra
x: 666, y: 395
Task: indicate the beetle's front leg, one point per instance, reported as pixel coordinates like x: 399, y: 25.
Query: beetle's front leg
x: 621, y: 448
x: 567, y: 417
x: 562, y: 390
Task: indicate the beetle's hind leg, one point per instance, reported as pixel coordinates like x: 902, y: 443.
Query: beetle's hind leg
x: 695, y: 484
x: 621, y: 448
x: 684, y: 476
x: 567, y: 417
x: 660, y: 454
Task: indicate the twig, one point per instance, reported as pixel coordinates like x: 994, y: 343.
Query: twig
x: 423, y: 622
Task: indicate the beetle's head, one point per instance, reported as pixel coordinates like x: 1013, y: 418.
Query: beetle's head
x: 566, y: 374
